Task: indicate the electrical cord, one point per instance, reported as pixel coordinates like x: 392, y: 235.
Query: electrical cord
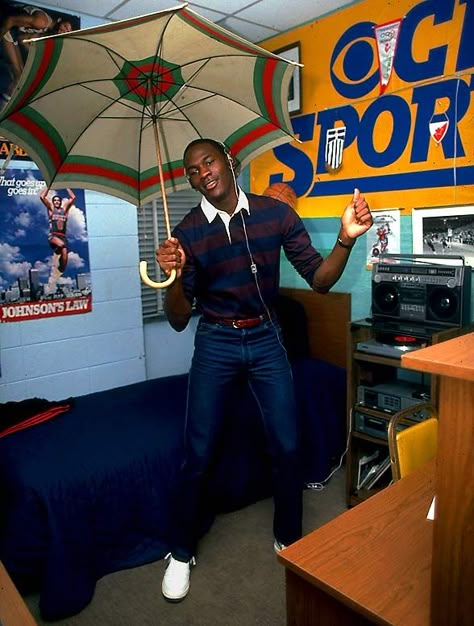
x: 319, y: 486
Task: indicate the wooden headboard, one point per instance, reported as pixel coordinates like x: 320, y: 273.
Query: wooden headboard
x: 328, y: 317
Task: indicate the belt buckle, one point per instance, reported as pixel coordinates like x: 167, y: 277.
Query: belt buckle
x: 235, y: 324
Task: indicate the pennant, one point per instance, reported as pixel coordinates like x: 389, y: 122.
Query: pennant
x: 439, y: 129
x: 386, y: 36
x: 334, y: 149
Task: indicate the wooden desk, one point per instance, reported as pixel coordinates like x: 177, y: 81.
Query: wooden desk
x: 370, y: 565
x: 13, y: 611
x: 452, y: 599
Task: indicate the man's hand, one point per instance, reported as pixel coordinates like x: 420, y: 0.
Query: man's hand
x: 170, y: 255
x: 357, y: 218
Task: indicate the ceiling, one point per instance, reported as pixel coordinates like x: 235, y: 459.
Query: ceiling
x: 255, y: 20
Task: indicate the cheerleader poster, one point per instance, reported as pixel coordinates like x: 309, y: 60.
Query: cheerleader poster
x: 384, y: 235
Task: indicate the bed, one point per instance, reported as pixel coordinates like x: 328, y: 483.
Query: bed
x: 86, y: 492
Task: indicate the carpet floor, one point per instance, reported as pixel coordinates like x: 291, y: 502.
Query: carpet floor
x: 237, y: 581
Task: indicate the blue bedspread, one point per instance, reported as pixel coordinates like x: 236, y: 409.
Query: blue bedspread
x: 87, y: 492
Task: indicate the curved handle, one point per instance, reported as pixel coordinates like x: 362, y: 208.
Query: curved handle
x: 151, y: 283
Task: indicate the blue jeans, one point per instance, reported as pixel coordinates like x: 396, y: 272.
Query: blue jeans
x: 221, y: 355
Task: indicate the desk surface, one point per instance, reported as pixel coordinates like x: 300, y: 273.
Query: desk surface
x: 376, y: 557
x: 13, y: 611
x: 449, y: 358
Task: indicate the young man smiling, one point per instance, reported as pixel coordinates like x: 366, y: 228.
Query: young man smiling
x: 226, y: 253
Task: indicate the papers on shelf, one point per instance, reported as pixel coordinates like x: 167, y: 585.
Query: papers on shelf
x: 371, y: 469
x: 431, y: 512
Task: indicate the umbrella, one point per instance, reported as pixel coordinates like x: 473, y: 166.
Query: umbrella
x: 112, y: 108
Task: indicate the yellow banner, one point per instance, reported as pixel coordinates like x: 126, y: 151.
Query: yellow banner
x: 385, y: 104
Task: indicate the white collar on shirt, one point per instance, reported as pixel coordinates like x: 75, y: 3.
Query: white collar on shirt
x: 210, y: 210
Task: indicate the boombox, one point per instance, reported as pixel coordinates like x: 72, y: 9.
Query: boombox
x: 417, y: 291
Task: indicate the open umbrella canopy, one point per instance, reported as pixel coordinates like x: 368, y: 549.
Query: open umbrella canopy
x: 112, y: 108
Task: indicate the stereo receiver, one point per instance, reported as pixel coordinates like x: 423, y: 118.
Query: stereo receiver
x: 377, y: 426
x: 392, y: 397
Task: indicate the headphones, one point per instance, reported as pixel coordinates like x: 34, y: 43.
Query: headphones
x: 228, y: 155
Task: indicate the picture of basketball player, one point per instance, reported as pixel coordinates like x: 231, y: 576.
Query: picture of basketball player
x: 58, y: 211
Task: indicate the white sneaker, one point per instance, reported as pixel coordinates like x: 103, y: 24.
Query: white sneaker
x: 175, y: 585
x: 277, y: 546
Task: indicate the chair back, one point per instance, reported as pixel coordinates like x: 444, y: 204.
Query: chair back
x: 415, y: 444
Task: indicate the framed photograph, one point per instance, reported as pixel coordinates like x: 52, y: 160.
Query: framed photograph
x: 444, y: 231
x: 292, y: 53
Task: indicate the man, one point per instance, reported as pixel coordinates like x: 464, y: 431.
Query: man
x: 226, y: 253
x: 58, y: 213
x: 430, y: 243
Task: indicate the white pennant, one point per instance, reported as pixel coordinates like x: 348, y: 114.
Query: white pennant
x: 438, y: 130
x: 386, y: 36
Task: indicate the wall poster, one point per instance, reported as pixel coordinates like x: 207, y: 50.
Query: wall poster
x: 384, y: 235
x: 19, y: 22
x: 44, y: 252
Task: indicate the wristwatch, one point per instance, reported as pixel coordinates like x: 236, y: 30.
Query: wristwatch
x: 348, y: 246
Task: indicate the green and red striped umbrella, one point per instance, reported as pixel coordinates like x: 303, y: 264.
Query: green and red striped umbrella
x: 112, y: 108
x: 87, y: 100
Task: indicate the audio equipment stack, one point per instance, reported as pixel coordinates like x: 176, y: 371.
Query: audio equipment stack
x: 417, y: 300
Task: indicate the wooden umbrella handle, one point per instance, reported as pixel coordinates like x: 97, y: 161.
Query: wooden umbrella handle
x: 151, y: 283
x: 143, y: 264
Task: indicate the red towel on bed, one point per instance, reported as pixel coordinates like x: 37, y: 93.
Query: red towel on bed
x: 16, y: 416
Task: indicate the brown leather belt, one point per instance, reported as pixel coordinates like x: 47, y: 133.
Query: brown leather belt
x: 249, y: 322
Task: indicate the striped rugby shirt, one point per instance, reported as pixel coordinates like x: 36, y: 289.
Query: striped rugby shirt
x: 217, y: 273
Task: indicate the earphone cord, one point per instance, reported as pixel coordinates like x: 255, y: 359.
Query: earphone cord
x: 253, y: 268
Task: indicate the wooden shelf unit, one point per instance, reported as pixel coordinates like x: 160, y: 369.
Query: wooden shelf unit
x: 369, y: 370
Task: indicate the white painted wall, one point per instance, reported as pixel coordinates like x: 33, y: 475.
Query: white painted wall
x: 168, y: 352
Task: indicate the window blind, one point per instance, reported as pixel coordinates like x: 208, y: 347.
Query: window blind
x: 152, y: 230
